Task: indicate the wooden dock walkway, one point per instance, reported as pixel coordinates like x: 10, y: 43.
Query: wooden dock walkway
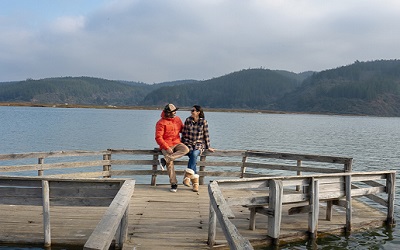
x: 159, y: 219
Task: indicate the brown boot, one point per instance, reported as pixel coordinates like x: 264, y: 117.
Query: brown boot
x: 195, y: 182
x: 187, y: 177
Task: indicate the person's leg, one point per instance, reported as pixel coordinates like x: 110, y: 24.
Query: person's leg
x: 193, y: 154
x: 171, y: 173
x: 170, y: 168
x: 179, y: 151
x: 187, y: 177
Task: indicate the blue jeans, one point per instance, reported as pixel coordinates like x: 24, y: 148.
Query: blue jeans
x: 193, y: 154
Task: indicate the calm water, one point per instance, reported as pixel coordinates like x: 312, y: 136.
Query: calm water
x: 372, y: 142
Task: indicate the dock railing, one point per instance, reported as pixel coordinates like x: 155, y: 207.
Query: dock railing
x: 335, y: 189
x: 125, y: 162
x: 48, y: 192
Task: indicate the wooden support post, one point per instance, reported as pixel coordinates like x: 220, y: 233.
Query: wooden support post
x: 314, y: 205
x: 275, y: 203
x: 107, y: 157
x: 348, y: 165
x: 243, y: 168
x: 212, y: 227
x: 201, y: 169
x: 154, y: 168
x: 122, y: 232
x: 252, y: 224
x: 348, y: 203
x: 46, y: 213
x: 298, y: 188
x: 329, y: 206
x: 40, y: 171
x: 390, y: 189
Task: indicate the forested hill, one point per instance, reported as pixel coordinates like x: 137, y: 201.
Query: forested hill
x: 364, y: 88
x: 246, y: 89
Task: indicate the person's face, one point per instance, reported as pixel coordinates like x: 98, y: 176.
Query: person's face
x: 194, y: 112
x: 171, y: 114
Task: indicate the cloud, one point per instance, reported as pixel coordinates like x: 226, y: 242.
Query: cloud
x: 68, y: 24
x: 158, y: 40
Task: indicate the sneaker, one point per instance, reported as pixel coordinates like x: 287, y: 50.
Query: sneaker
x: 174, y: 188
x: 162, y: 163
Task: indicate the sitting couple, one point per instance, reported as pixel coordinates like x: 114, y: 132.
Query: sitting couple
x: 195, y: 139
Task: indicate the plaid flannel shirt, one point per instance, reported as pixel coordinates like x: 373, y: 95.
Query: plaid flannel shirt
x: 195, y: 135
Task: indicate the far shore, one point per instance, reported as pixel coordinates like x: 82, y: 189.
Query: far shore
x: 67, y: 105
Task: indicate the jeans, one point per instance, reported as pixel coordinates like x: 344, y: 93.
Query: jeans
x: 193, y: 154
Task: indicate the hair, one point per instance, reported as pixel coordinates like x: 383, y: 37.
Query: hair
x: 199, y: 109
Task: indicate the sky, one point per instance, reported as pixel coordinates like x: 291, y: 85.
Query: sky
x: 154, y: 41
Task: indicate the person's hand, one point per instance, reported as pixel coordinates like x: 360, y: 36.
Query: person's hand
x: 170, y: 151
x: 211, y: 149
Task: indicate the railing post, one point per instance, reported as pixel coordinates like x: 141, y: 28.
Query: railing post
x: 154, y: 168
x: 40, y: 171
x: 243, y: 168
x: 201, y: 169
x: 348, y: 165
x: 314, y: 204
x: 212, y: 226
x: 46, y: 213
x: 122, y: 232
x: 107, y: 157
x: 298, y: 187
x: 347, y: 179
x: 390, y: 189
x: 275, y: 203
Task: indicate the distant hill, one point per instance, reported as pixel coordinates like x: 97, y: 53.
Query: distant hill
x: 245, y: 89
x: 366, y: 88
x: 73, y: 90
x: 362, y: 88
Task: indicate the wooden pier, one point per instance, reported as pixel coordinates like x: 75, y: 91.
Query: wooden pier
x: 159, y: 219
x: 221, y: 215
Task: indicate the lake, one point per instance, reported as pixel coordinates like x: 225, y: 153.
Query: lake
x: 372, y: 142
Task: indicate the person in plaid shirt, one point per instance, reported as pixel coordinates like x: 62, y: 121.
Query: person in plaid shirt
x: 196, y: 137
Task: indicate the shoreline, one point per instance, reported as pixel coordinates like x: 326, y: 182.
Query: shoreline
x: 90, y: 106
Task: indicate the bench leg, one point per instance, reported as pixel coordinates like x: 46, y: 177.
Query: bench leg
x: 252, y: 225
x: 329, y: 210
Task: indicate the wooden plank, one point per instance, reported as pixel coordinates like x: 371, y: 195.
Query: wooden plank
x: 275, y: 203
x: 49, y: 154
x: 46, y: 213
x: 212, y: 226
x: 7, y: 181
x: 291, y: 168
x: 223, y: 213
x: 368, y: 177
x: 299, y: 210
x: 303, y: 157
x: 348, y: 203
x: 220, y: 202
x: 391, y: 184
x: 20, y: 191
x: 105, y: 231
x: 314, y: 204
x: 367, y: 191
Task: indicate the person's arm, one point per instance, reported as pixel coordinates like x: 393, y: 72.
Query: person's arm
x: 207, y: 137
x: 159, y: 136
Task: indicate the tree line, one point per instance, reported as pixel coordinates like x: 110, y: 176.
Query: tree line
x: 362, y: 88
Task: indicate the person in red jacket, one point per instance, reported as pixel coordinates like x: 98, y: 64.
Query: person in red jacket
x: 168, y: 130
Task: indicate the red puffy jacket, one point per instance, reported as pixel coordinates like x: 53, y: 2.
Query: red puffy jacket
x: 167, y: 131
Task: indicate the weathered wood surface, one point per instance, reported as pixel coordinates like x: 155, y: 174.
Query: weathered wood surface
x: 114, y: 218
x: 107, y: 162
x: 159, y: 219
